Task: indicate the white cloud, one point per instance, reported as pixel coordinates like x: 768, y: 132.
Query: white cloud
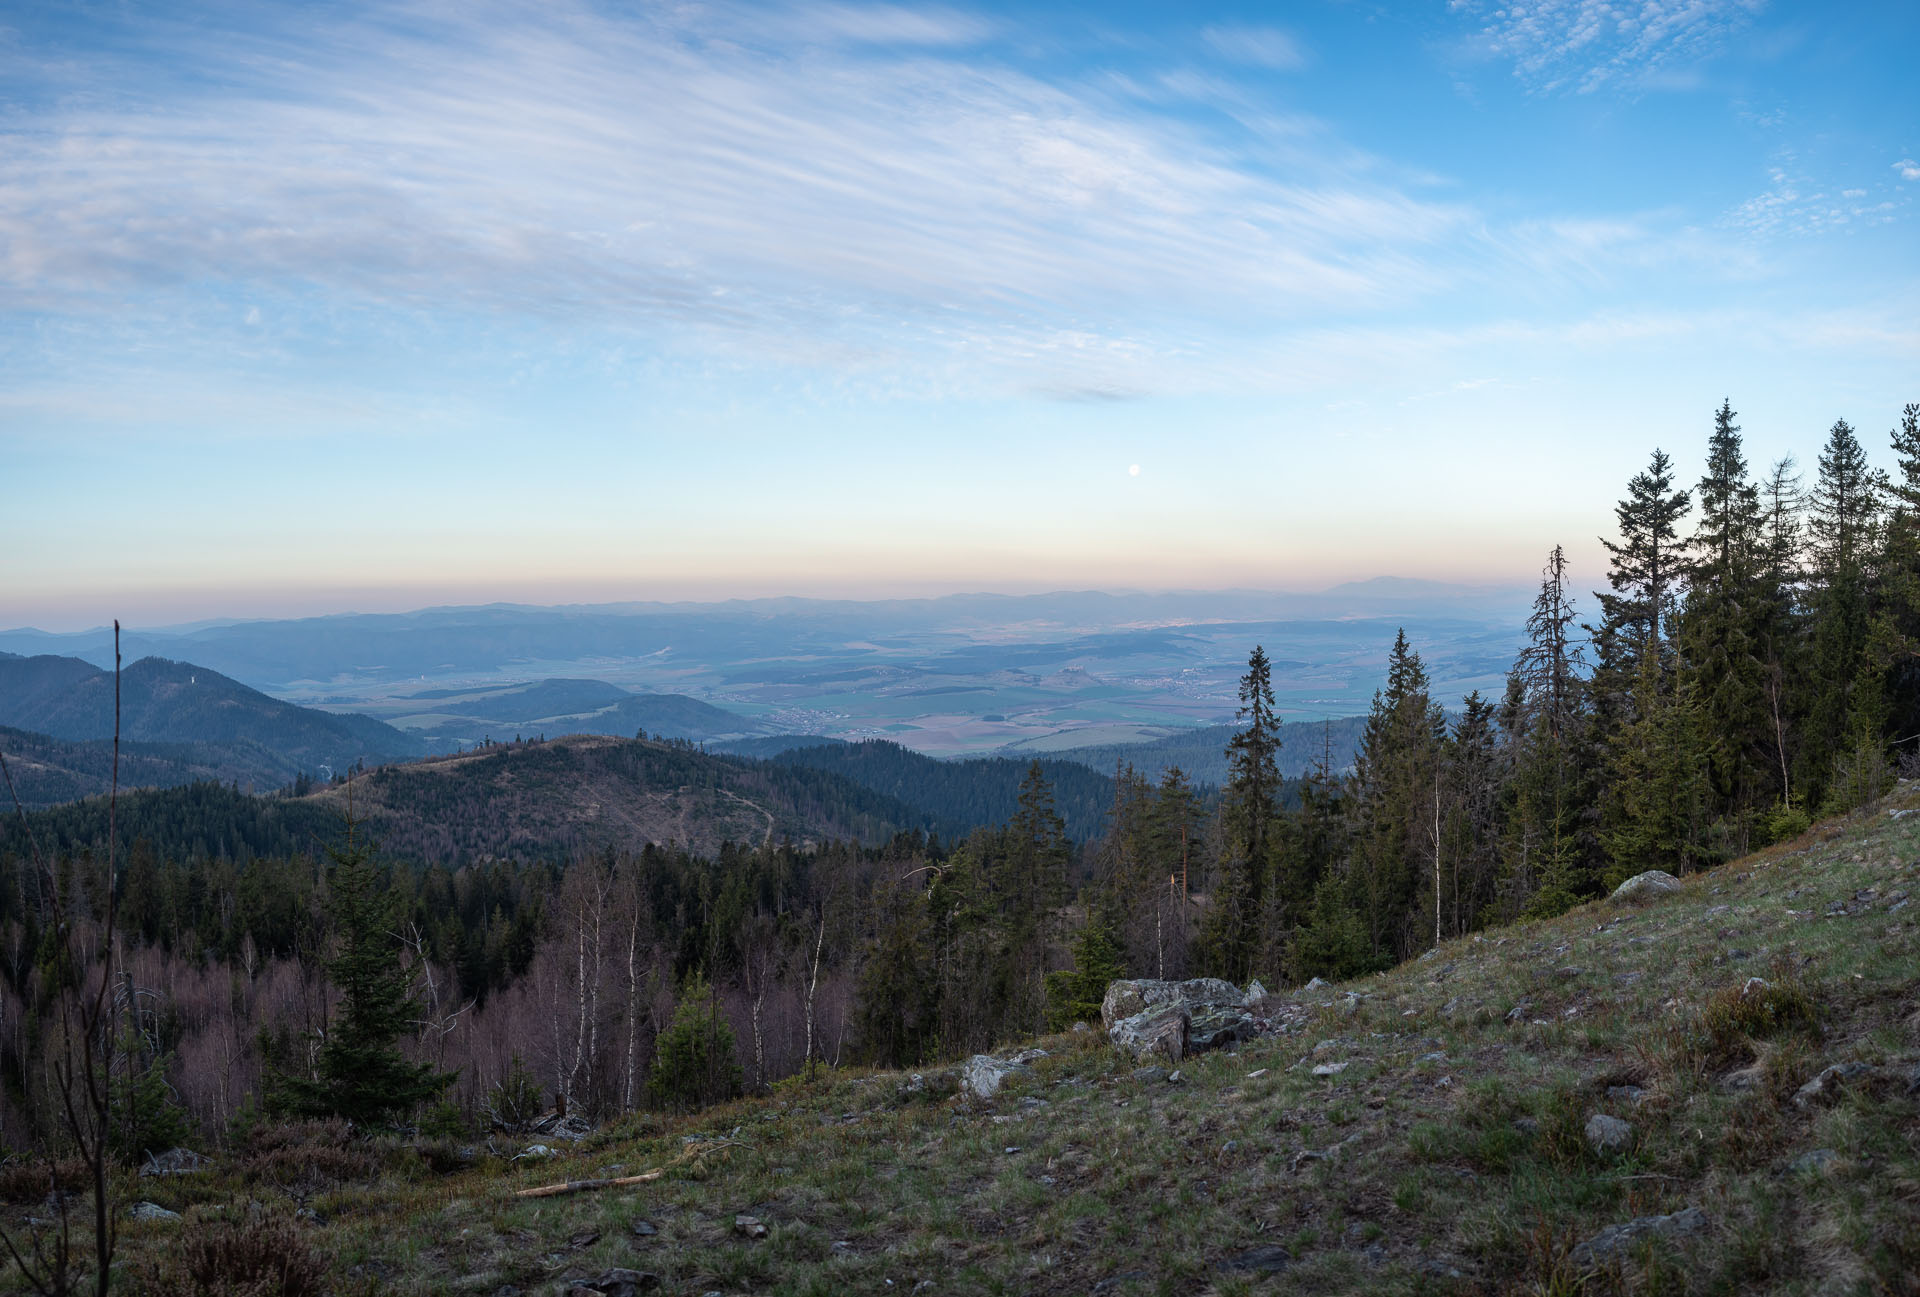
x: 1266, y: 47
x: 1585, y: 45
x: 551, y: 159
x: 1908, y: 169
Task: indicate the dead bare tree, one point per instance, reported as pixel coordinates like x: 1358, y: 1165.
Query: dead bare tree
x: 83, y: 1068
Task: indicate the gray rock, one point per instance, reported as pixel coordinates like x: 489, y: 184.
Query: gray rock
x: 1255, y: 992
x: 1160, y: 1032
x: 1913, y: 1080
x: 1313, y: 985
x: 1131, y: 997
x: 1631, y: 1093
x: 1271, y: 1259
x: 749, y: 1226
x: 1170, y: 1020
x: 151, y: 1211
x: 1744, y: 1078
x: 984, y: 1074
x: 1080, y: 1028
x: 1211, y: 1026
x: 1816, y: 1162
x: 1617, y: 1239
x: 1329, y: 1069
x: 1826, y: 1087
x: 1650, y: 886
x: 1607, y: 1134
x: 175, y: 1161
x: 617, y: 1283
x: 1150, y: 1075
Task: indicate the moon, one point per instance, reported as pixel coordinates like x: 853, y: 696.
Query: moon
x: 1133, y: 470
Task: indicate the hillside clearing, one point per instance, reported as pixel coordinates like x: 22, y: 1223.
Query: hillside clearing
x: 1450, y: 1153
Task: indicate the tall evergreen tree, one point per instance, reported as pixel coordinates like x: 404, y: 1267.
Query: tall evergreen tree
x: 1900, y: 581
x: 1552, y: 861
x: 361, y: 1074
x: 1723, y: 640
x: 1394, y: 776
x: 1844, y: 709
x: 1239, y: 915
x: 1647, y: 562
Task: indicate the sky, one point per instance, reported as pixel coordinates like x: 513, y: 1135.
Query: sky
x: 334, y: 306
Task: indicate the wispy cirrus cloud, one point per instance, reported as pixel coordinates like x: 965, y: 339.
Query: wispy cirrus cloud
x: 1584, y: 45
x: 557, y: 159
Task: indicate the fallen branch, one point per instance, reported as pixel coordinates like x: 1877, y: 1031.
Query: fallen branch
x: 581, y: 1186
x: 693, y: 1152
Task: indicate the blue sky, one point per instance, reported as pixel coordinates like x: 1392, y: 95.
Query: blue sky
x: 336, y: 306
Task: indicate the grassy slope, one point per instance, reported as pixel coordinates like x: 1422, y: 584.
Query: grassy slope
x: 1088, y: 1175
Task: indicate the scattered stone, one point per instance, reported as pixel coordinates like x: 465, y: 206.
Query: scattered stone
x: 572, y: 1127
x: 984, y: 1074
x: 1313, y: 985
x: 1913, y: 1080
x: 1150, y: 1075
x: 1173, y: 1078
x: 1435, y: 1268
x: 151, y: 1211
x: 1261, y: 1071
x: 1011, y: 1149
x: 644, y: 1228
x: 1271, y: 1259
x: 1158, y: 1032
x: 1329, y: 1069
x: 1617, y: 1239
x: 1641, y: 888
x: 175, y: 1161
x: 1817, y: 1161
x: 1255, y: 992
x: 585, y: 1238
x: 617, y: 1283
x: 1080, y: 1028
x: 1826, y: 1087
x: 1110, y: 1284
x: 1607, y: 1134
x: 749, y: 1226
x: 1527, y: 1125
x: 1519, y: 1011
x: 537, y: 1151
x: 841, y: 1247
x: 1437, y: 1056
x: 1631, y: 1093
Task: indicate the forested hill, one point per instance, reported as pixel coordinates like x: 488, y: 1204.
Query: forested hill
x: 525, y: 801
x: 48, y: 771
x: 244, y: 732
x: 962, y: 794
x: 1201, y: 754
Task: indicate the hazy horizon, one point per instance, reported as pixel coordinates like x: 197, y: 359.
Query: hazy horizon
x: 372, y: 306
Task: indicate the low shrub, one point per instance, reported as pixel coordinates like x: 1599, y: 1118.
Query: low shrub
x: 255, y: 1258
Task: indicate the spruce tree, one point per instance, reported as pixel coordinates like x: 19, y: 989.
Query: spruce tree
x: 1843, y: 712
x: 1898, y: 625
x: 360, y: 1073
x: 1239, y: 915
x: 1723, y: 637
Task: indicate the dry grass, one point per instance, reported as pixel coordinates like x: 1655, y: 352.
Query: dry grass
x: 1449, y: 1156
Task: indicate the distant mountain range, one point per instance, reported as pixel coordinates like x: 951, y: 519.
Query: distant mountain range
x: 451, y: 718
x: 181, y: 722
x: 207, y: 722
x: 556, y: 799
x: 1201, y: 754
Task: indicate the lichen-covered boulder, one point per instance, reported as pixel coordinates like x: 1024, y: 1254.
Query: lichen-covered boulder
x: 984, y: 1074
x: 1149, y: 1018
x: 1159, y: 1032
x: 1649, y: 886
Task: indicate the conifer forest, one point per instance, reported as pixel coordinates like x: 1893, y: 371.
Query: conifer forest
x: 1749, y: 661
